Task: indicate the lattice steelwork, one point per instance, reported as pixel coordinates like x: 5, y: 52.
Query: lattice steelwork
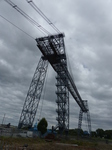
x: 33, y: 95
x: 80, y: 119
x: 63, y: 104
x: 88, y: 117
x: 53, y: 48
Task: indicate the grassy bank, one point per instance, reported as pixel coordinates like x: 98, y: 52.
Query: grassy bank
x: 57, y: 144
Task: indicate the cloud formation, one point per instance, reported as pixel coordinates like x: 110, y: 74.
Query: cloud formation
x: 88, y: 33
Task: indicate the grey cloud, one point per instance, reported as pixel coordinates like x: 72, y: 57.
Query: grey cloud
x: 87, y: 27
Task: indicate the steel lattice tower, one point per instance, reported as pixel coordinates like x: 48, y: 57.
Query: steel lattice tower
x: 33, y: 96
x: 88, y: 118
x: 62, y: 103
x: 53, y: 51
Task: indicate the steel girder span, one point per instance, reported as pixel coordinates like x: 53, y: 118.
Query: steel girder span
x: 53, y: 49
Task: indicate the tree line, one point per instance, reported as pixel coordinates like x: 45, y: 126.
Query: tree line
x: 107, y: 134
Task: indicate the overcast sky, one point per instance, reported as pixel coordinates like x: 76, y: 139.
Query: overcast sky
x: 87, y: 25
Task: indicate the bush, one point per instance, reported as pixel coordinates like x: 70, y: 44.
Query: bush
x: 42, y: 125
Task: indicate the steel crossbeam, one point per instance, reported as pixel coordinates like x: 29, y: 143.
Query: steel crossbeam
x: 53, y: 49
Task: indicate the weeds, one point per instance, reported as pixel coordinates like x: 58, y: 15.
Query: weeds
x: 66, y: 144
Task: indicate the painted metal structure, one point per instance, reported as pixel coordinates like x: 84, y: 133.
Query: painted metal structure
x: 88, y: 118
x: 33, y: 96
x: 53, y: 51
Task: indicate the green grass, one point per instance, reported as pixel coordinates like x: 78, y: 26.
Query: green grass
x: 42, y: 144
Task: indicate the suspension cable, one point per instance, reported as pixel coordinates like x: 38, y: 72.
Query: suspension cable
x: 85, y: 117
x: 44, y: 92
x: 33, y: 22
x: 43, y: 15
x: 17, y: 27
x: 69, y: 65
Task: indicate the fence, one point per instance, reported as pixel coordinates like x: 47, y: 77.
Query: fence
x: 10, y: 132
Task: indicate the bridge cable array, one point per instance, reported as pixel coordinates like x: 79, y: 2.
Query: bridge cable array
x: 32, y: 21
x: 43, y: 15
x: 44, y: 91
x: 17, y: 27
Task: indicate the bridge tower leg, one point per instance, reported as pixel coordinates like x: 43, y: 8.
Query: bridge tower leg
x: 33, y: 96
x: 62, y: 104
x: 88, y: 118
x: 80, y: 121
